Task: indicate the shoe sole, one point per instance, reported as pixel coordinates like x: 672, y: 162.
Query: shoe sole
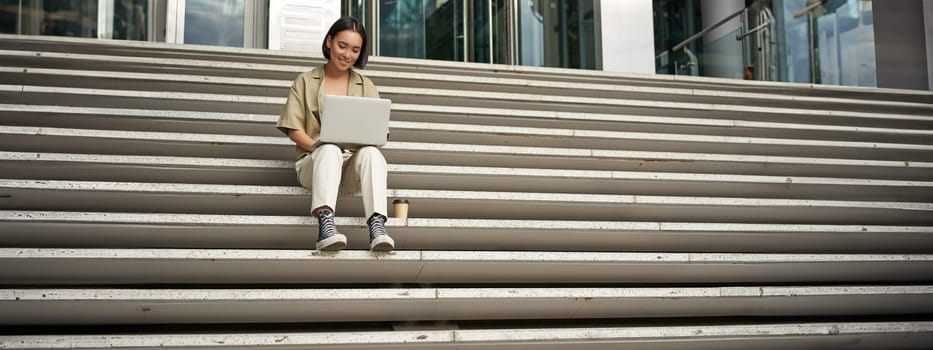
x: 382, y: 243
x: 332, y: 243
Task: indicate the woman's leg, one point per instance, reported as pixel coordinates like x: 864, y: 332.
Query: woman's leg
x: 321, y: 172
x: 367, y: 169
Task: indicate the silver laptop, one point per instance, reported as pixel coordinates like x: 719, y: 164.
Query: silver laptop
x: 352, y: 122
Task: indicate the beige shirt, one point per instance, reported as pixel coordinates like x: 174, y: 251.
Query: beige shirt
x: 303, y: 108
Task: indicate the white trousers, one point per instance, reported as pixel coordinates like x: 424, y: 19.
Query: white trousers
x: 328, y: 171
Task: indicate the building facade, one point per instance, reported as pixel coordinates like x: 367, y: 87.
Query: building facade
x: 836, y: 42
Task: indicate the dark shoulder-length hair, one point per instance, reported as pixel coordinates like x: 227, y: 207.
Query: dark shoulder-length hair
x: 348, y: 23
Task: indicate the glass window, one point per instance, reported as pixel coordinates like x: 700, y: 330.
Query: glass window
x: 674, y: 22
x: 557, y: 33
x: 130, y: 19
x: 830, y: 44
x: 500, y: 32
x: 357, y: 9
x: 479, y: 41
x: 444, y: 30
x: 401, y: 28
x: 214, y: 22
x: 10, y: 16
x: 846, y: 44
x: 421, y: 29
x: 804, y: 41
x: 793, y: 42
x: 50, y: 17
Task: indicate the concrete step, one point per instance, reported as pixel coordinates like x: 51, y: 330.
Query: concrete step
x: 128, y: 230
x: 483, y: 79
x: 98, y: 167
x: 110, y: 306
x: 903, y: 335
x: 203, y: 267
x: 28, y: 138
x: 267, y: 84
x: 39, y: 139
x: 34, y: 139
x: 258, y: 124
x: 183, y: 88
x: 115, y: 52
x: 632, y: 106
x: 531, y: 208
x: 292, y: 200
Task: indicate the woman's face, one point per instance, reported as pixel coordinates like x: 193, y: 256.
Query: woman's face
x: 344, y: 48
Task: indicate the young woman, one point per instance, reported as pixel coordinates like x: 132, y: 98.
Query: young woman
x: 328, y: 170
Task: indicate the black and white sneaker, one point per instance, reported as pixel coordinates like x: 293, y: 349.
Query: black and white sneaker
x: 328, y: 239
x: 379, y: 240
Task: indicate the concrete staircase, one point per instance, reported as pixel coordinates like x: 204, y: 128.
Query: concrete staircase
x: 146, y: 201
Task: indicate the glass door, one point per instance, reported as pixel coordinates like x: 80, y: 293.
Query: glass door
x: 557, y: 33
x: 552, y: 33
x: 422, y: 29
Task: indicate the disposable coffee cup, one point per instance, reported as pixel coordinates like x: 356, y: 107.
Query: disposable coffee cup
x: 401, y: 208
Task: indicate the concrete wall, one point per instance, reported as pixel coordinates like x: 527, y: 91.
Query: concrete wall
x: 901, y: 44
x: 627, y: 36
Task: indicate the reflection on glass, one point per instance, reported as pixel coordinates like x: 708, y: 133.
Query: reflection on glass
x: 531, y: 14
x: 357, y: 9
x: 557, y: 33
x: 721, y: 57
x: 421, y: 29
x: 49, y: 17
x: 444, y: 30
x: 674, y: 22
x: 480, y: 29
x: 500, y: 32
x: 214, y: 22
x: 401, y: 28
x: 73, y: 18
x: 793, y: 42
x: 832, y: 44
x: 130, y: 19
x: 846, y: 43
x: 9, y: 16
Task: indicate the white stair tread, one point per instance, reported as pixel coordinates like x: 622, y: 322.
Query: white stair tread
x: 852, y: 335
x: 284, y: 148
x: 461, y: 94
x: 265, y: 119
x: 775, y: 146
x: 133, y: 306
x: 450, y: 77
x: 112, y: 229
x: 104, y: 164
x: 77, y: 266
x: 12, y: 185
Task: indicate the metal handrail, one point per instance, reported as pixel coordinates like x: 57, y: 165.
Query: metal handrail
x: 703, y: 32
x: 753, y: 30
x: 807, y: 9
